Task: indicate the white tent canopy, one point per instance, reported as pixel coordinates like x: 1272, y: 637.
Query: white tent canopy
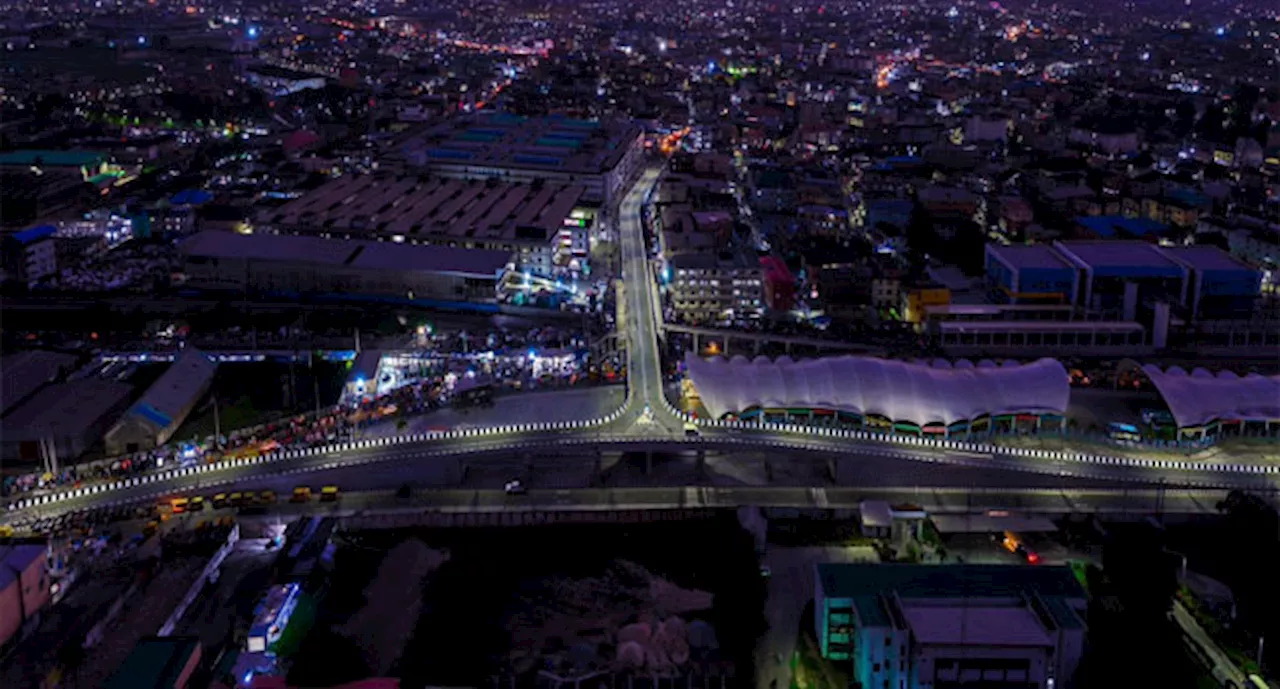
x: 919, y: 393
x: 1200, y: 397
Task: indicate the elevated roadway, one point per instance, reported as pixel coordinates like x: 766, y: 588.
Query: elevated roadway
x: 647, y: 423
x: 584, y: 459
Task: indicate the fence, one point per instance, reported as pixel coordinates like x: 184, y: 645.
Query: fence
x: 214, y: 562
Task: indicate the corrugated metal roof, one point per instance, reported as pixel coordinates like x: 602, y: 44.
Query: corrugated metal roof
x: 188, y: 377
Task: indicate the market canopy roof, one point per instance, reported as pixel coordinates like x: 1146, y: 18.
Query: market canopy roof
x: 1200, y: 397
x: 919, y: 393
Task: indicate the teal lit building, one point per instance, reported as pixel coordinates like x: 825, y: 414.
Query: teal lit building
x: 904, y: 626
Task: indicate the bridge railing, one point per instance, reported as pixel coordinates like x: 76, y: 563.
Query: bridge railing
x: 798, y: 431
x: 949, y: 444
x: 341, y: 446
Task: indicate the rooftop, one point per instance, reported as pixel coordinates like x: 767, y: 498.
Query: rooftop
x: 1113, y: 225
x: 1033, y: 256
x: 51, y: 158
x: 1203, y: 257
x: 185, y: 379
x: 18, y: 558
x: 978, y: 624
x: 366, y: 255
x: 541, y: 143
x: 34, y: 234
x: 155, y: 662
x: 23, y: 373
x: 413, y: 207
x: 1120, y: 254
x: 63, y: 409
x: 847, y: 580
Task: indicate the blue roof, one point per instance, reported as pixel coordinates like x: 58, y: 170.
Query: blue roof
x: 545, y: 161
x: 1111, y: 225
x: 191, y: 197
x: 35, y: 234
x: 448, y: 154
x: 17, y: 557
x: 152, y: 414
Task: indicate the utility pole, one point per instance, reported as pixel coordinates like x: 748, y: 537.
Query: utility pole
x: 217, y: 424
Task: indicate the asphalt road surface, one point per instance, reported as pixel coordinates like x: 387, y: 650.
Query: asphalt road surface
x: 647, y: 424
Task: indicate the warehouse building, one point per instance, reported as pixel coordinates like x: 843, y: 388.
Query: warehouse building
x: 1121, y: 280
x: 154, y: 418
x: 298, y: 266
x: 602, y: 157
x: 545, y: 225
x: 61, y: 421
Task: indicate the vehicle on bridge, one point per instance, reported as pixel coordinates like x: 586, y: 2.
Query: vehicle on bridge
x: 301, y: 494
x: 1014, y: 544
x: 691, y: 430
x: 514, y: 487
x: 329, y: 494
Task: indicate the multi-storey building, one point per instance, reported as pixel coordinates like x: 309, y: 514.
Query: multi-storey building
x: 719, y: 287
x: 944, y: 626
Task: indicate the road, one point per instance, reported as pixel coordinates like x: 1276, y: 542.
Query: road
x: 1222, y: 665
x: 644, y: 367
x: 647, y: 423
x: 578, y: 458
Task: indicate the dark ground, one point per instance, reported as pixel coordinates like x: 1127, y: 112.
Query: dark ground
x: 460, y: 640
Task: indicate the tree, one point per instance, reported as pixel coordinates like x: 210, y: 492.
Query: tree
x: 331, y: 660
x: 1132, y: 641
x: 1251, y: 538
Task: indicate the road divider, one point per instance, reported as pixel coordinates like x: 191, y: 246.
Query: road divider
x: 345, y: 446
x: 901, y: 443
x: 979, y: 447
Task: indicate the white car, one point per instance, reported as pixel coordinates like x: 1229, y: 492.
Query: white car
x: 514, y: 487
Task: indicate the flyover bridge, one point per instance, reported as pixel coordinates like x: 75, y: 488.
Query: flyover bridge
x: 648, y: 423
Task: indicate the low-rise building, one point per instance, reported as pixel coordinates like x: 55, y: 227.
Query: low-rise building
x: 29, y: 371
x: 288, y: 265
x: 154, y: 418
x: 601, y: 157
x: 933, y: 626
x: 158, y: 662
x: 546, y: 225
x: 24, y: 587
x: 61, y: 421
x: 30, y: 255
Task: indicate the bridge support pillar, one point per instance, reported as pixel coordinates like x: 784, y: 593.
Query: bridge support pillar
x: 700, y: 464
x: 648, y: 462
